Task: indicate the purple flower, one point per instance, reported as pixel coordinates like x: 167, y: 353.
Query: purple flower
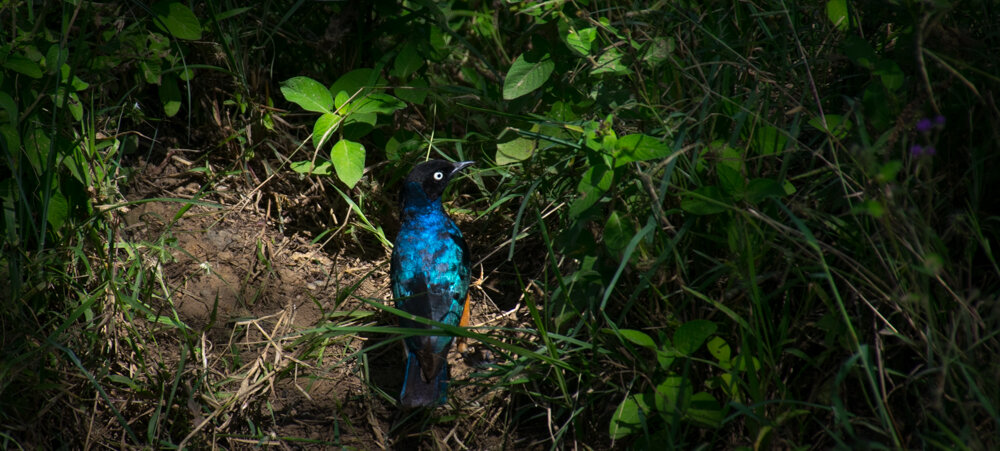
x: 924, y: 125
x: 916, y: 150
x: 929, y: 150
x: 939, y: 120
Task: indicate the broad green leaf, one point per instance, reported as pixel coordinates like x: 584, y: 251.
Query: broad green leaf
x: 9, y: 133
x: 659, y: 50
x: 524, y: 77
x: 377, y: 103
x: 692, y: 334
x: 178, y: 19
x: 77, y: 84
x: 673, y: 396
x: 639, y: 147
x: 629, y: 416
x: 415, y: 93
x: 705, y: 200
x: 610, y: 62
x: 349, y: 161
x: 665, y: 357
x: 357, y: 79
x: 836, y: 11
x: 595, y: 182
x: 719, y: 349
x: 170, y: 95
x: 23, y: 65
x: 8, y: 105
x: 618, y: 232
x: 516, y: 150
x: 306, y: 167
x: 58, y: 210
x: 308, y: 94
x: 705, y: 410
x: 75, y: 106
x: 760, y: 189
x: 891, y: 75
x: 407, y: 61
x: 638, y: 337
x: 768, y: 140
x: 324, y: 127
x: 580, y: 40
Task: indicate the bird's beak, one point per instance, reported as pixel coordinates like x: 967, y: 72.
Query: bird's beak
x: 461, y: 165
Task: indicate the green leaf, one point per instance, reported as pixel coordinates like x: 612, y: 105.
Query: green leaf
x: 638, y: 337
x: 705, y: 410
x: 524, y: 77
x: 407, y: 61
x: 8, y: 104
x: 769, y: 141
x: 706, y: 200
x: 58, y: 210
x: 580, y: 41
x: 377, y: 103
x: 595, y: 182
x: 349, y: 160
x: 673, y: 396
x: 170, y: 95
x: 75, y: 106
x: 516, y: 150
x: 719, y: 349
x: 639, y: 147
x: 308, y: 94
x: 891, y: 75
x: 692, y: 334
x: 659, y: 50
x: 836, y: 11
x: 618, y: 232
x: 415, y: 93
x: 610, y: 62
x: 324, y: 128
x: 306, y: 167
x: 629, y: 416
x: 23, y: 65
x: 179, y: 20
x: 760, y: 189
x: 665, y: 358
x: 356, y: 80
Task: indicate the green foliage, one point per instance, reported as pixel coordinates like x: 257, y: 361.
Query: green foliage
x: 708, y: 224
x: 351, y: 108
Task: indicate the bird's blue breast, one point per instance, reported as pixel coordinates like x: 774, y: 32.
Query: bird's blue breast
x: 430, y: 270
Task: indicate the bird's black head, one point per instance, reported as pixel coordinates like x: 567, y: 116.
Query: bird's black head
x: 433, y: 176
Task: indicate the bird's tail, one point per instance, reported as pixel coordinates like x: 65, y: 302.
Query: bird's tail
x: 420, y: 393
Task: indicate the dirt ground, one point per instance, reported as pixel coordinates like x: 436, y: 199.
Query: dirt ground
x: 277, y: 316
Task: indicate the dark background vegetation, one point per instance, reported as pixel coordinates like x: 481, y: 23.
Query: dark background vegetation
x: 718, y: 224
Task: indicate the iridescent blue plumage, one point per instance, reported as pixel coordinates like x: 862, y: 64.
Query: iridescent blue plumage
x: 430, y: 278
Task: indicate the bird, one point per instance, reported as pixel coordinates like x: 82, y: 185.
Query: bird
x: 429, y: 273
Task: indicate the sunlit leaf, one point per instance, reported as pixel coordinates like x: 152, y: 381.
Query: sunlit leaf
x: 349, y: 161
x: 525, y: 76
x: 515, y: 150
x: 308, y: 94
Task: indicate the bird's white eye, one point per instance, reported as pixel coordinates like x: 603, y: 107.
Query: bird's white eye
x: 438, y: 175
